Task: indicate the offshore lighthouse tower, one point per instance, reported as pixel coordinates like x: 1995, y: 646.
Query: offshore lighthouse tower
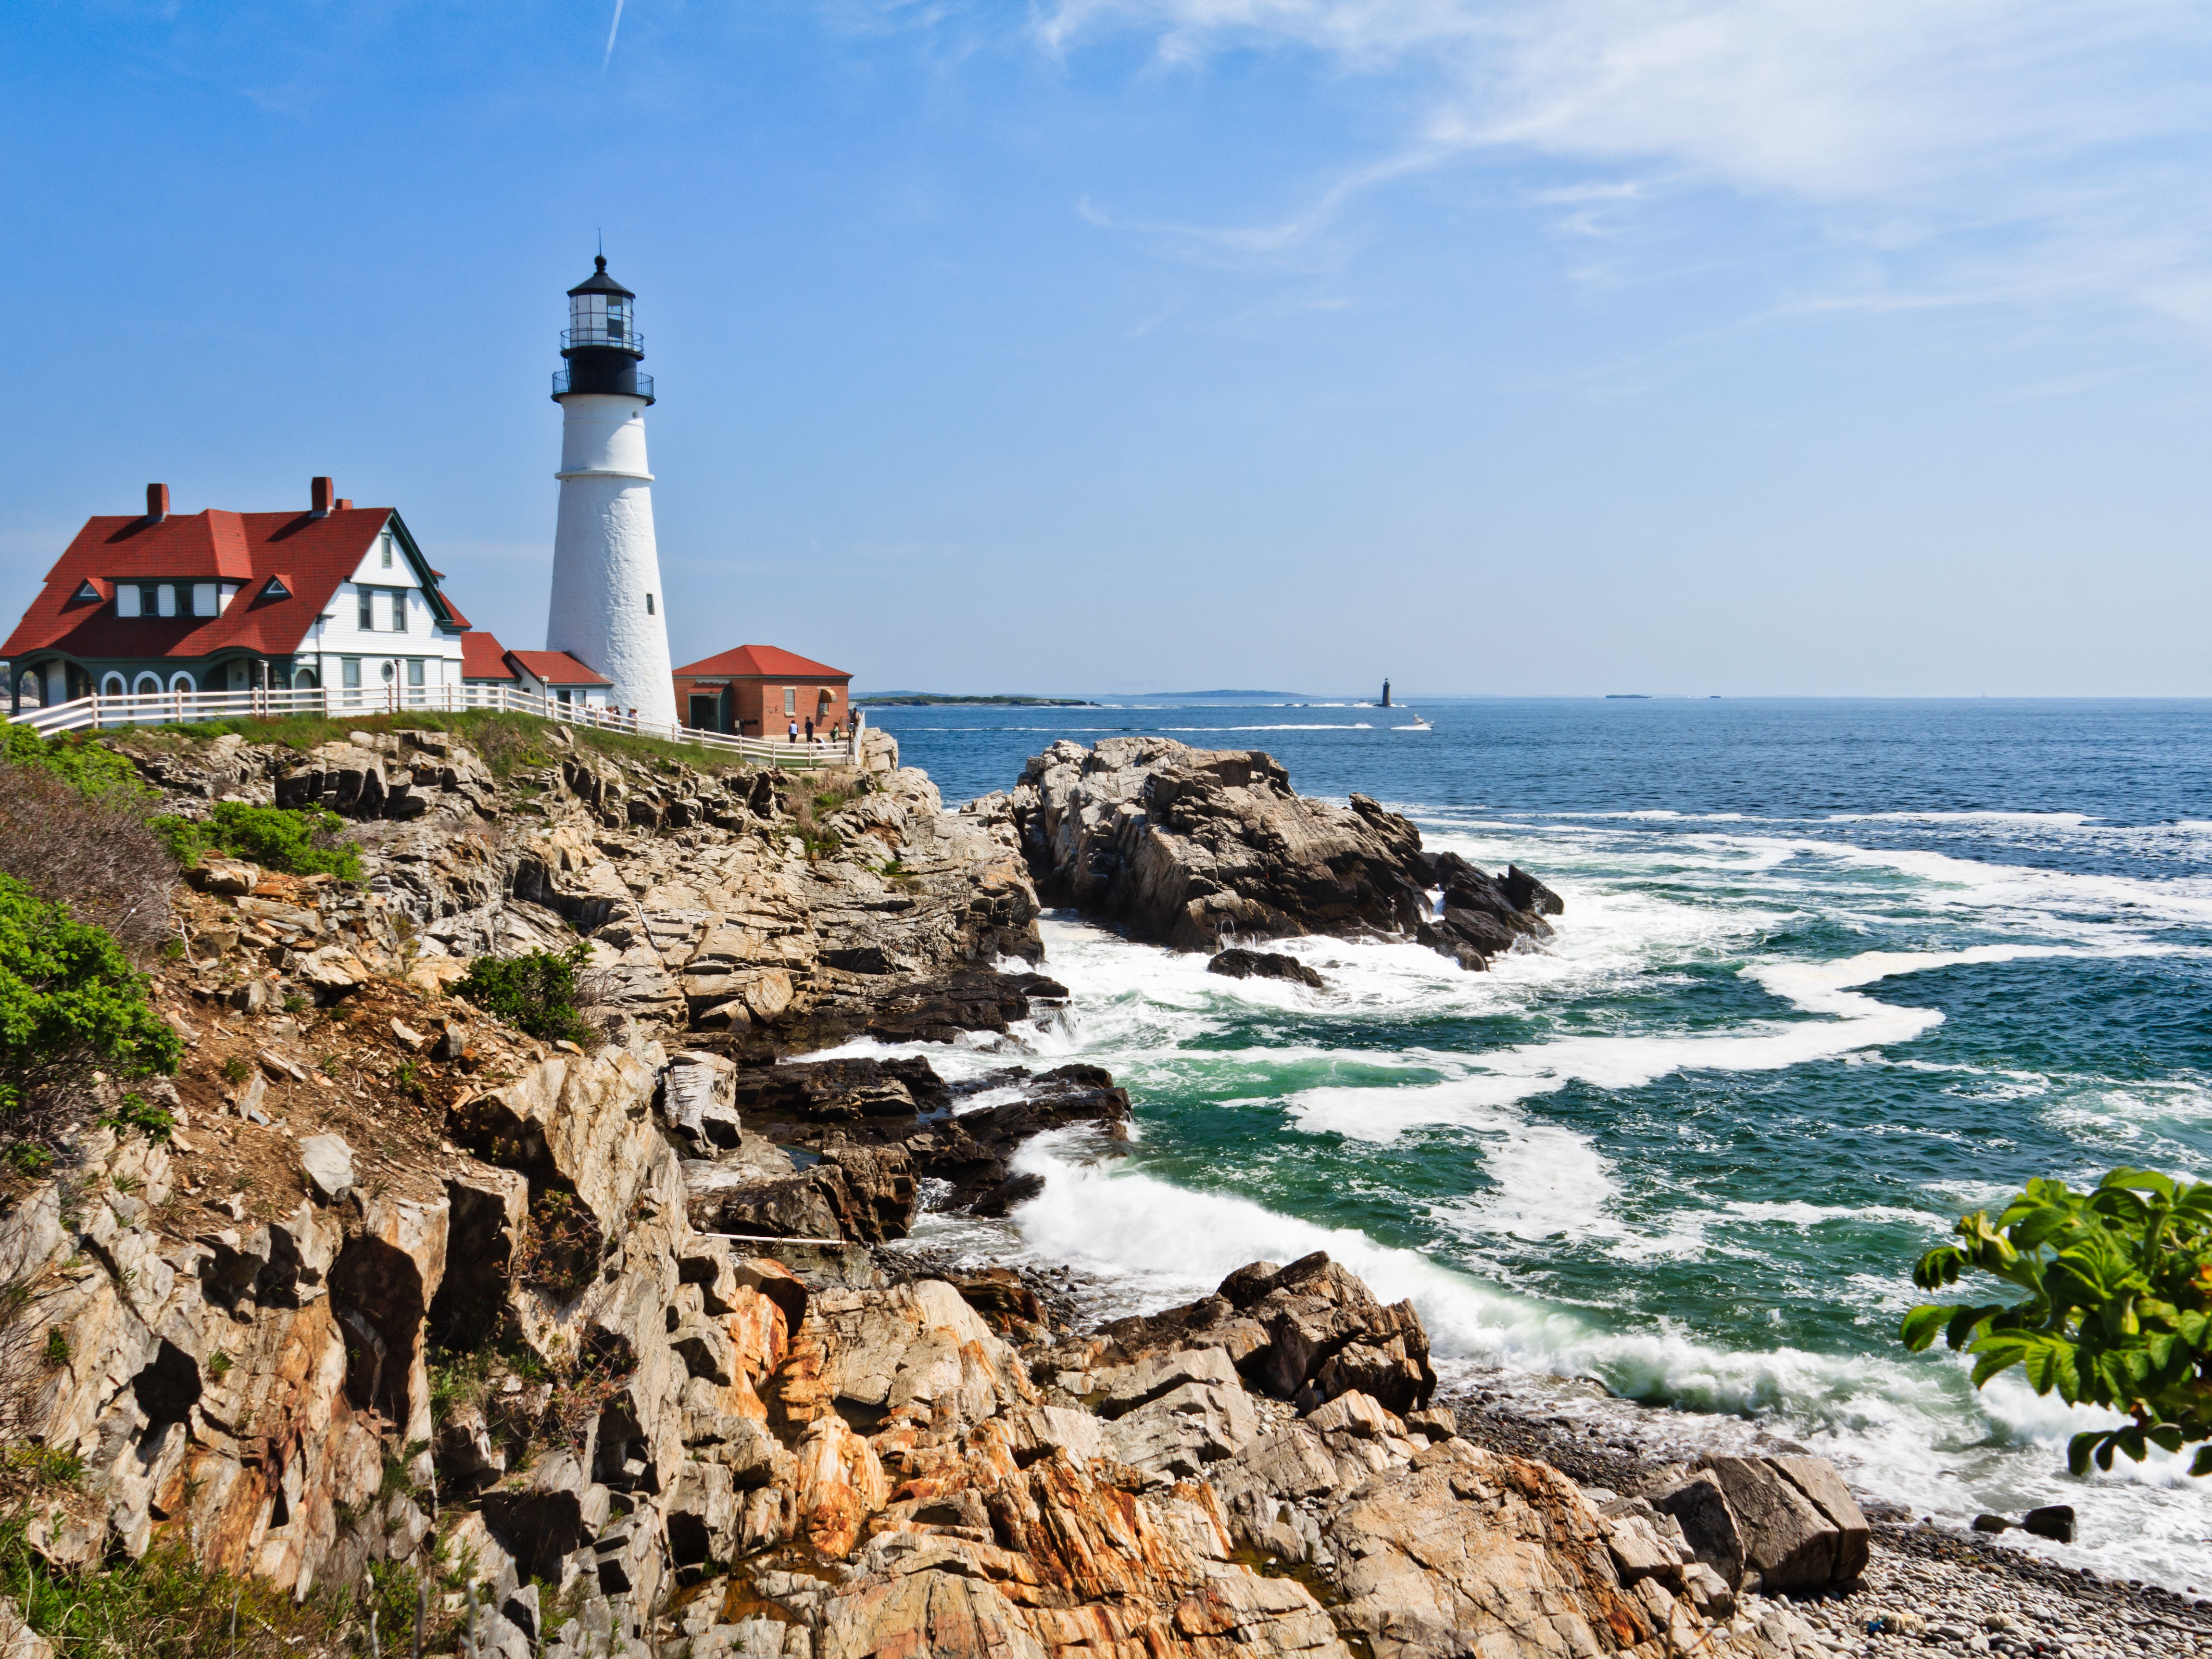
x: 609, y: 610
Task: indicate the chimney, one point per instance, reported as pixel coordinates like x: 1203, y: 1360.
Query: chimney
x: 157, y: 502
x: 319, y: 496
x: 345, y: 503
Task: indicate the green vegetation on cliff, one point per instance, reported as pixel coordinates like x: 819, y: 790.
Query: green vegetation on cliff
x: 298, y: 842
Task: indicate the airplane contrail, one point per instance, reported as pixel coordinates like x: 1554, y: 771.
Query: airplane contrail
x: 611, y: 28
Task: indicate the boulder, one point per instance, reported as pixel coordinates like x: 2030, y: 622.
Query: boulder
x: 328, y: 1163
x: 2053, y: 1521
x: 1241, y: 963
x: 1798, y: 1526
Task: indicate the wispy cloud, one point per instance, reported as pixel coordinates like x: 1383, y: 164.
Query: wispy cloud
x: 608, y: 56
x: 2072, y: 137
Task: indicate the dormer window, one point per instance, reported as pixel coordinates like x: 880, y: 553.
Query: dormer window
x: 276, y: 590
x: 86, y: 591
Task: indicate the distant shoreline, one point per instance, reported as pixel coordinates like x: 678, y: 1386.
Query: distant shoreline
x: 933, y: 699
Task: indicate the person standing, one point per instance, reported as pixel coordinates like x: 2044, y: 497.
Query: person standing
x: 793, y: 735
x: 810, y: 728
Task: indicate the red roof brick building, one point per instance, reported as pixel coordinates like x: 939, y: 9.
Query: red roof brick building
x: 763, y: 691
x: 333, y: 595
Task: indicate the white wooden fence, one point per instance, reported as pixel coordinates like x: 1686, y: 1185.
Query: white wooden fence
x: 345, y: 703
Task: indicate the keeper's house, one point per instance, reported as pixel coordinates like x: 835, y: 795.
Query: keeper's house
x: 336, y: 596
x: 759, y: 691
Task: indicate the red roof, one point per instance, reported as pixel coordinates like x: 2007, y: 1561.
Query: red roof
x: 765, y: 662
x: 308, y: 558
x: 558, y: 668
x: 483, y: 657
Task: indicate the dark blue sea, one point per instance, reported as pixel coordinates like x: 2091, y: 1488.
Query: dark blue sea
x: 1830, y: 974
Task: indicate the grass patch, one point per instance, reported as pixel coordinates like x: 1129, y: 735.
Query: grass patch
x: 163, y: 1606
x: 508, y: 742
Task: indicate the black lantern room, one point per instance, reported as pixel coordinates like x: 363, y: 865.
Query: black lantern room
x: 601, y: 342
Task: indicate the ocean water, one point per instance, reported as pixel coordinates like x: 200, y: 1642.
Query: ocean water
x: 1830, y: 974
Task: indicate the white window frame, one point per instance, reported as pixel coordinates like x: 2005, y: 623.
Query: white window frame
x: 207, y: 599
x: 127, y: 598
x: 165, y: 599
x: 367, y: 617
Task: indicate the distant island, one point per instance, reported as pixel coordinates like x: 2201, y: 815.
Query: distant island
x: 937, y: 699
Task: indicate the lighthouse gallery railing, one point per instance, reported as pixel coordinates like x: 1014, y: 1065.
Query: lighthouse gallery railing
x: 345, y: 702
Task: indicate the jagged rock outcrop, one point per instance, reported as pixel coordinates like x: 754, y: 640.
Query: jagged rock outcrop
x: 1306, y: 1333
x: 1201, y: 849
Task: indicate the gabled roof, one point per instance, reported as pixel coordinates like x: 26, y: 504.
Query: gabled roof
x: 309, y: 558
x: 557, y: 668
x: 766, y: 662
x: 483, y: 657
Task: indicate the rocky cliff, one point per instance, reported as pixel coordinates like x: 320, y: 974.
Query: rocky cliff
x: 781, y: 910
x: 598, y: 1429
x: 1201, y: 849
x: 602, y: 1351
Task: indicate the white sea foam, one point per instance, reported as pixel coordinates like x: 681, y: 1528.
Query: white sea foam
x: 1646, y: 907
x: 1907, y: 1430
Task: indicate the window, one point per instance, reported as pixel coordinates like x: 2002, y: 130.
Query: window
x: 165, y: 599
x: 126, y: 601
x: 387, y: 549
x: 111, y: 686
x: 414, y: 671
x: 229, y: 593
x: 368, y: 615
x: 352, y: 673
x: 147, y: 685
x: 649, y: 604
x: 203, y: 599
x: 400, y: 611
x: 791, y: 700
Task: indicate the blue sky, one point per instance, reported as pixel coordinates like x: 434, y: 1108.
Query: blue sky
x: 1738, y: 346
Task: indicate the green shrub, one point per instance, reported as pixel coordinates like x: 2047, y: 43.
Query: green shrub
x: 137, y: 1113
x: 70, y: 1004
x: 85, y: 767
x: 58, y: 1347
x: 536, y: 993
x: 2119, y: 1308
x: 300, y: 842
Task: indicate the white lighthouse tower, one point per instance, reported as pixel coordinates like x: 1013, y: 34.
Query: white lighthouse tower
x: 609, y: 611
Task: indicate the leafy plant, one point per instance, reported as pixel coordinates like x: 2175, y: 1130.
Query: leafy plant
x: 71, y: 1006
x: 536, y: 993
x: 137, y: 1112
x: 2119, y: 1308
x: 299, y: 841
x: 58, y: 1347
x: 235, y: 1070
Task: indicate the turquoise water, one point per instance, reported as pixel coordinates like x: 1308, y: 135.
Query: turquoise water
x: 1829, y: 974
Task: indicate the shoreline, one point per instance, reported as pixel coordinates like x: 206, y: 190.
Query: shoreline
x: 1929, y: 1583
